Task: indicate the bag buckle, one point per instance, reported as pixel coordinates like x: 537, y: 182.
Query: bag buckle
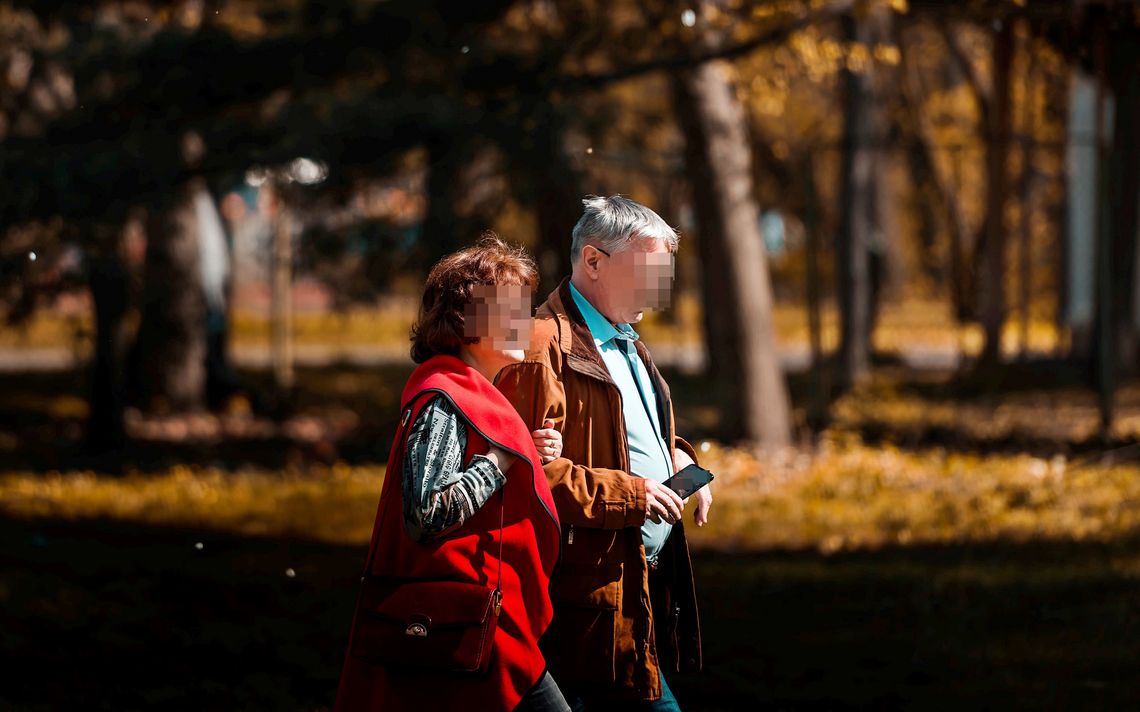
x: 498, y: 602
x: 418, y: 626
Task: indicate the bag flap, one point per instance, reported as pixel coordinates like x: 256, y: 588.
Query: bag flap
x: 433, y: 603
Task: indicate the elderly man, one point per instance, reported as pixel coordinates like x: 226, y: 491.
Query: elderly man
x: 624, y: 601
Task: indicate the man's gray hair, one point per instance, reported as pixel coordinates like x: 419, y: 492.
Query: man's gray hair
x: 614, y: 223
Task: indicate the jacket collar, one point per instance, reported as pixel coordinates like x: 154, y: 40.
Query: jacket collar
x: 574, y: 337
x: 576, y: 341
x: 600, y: 327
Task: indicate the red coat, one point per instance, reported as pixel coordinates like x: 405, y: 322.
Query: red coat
x: 531, y: 538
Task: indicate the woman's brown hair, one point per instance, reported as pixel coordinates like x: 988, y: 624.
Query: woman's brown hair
x: 439, y: 326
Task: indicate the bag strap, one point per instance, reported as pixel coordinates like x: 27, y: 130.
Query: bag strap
x: 502, y: 514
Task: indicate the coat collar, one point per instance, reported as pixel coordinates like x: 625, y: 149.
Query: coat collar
x: 577, y: 343
x: 574, y: 336
x: 600, y: 327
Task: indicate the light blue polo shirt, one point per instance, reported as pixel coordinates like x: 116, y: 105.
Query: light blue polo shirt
x: 648, y: 453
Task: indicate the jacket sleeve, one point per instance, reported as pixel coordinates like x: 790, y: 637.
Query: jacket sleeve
x: 683, y: 445
x: 597, y: 497
x: 439, y: 493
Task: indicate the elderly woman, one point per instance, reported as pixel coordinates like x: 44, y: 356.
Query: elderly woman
x: 456, y: 590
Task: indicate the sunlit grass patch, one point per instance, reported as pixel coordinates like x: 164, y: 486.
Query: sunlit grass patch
x: 848, y: 496
x: 335, y: 504
x: 844, y: 496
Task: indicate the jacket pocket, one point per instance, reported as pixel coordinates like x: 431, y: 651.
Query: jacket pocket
x: 596, y: 587
x: 580, y: 644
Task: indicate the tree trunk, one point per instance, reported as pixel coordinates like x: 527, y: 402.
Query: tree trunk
x: 1059, y: 95
x: 1125, y: 192
x: 991, y: 282
x: 886, y: 266
x: 924, y: 162
x: 925, y: 200
x: 1082, y: 187
x: 1027, y: 190
x: 667, y: 208
x: 169, y: 357
x: 1104, y: 351
x: 557, y: 185
x: 109, y: 281
x: 853, y: 266
x: 722, y: 360
x: 817, y: 405
x: 719, y: 161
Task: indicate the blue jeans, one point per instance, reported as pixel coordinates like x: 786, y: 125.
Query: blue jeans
x: 667, y: 703
x: 543, y: 697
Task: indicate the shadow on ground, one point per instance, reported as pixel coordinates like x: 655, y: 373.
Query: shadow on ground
x: 107, y: 615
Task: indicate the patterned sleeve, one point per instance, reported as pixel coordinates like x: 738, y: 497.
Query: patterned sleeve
x: 439, y: 496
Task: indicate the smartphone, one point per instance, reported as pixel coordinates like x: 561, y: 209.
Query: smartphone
x: 689, y: 480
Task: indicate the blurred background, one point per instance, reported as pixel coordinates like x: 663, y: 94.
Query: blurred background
x: 905, y: 330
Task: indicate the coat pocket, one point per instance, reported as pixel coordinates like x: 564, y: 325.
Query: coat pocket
x: 580, y: 644
x: 433, y: 625
x: 583, y: 586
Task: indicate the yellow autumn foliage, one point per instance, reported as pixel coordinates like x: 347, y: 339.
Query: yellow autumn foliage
x: 842, y: 496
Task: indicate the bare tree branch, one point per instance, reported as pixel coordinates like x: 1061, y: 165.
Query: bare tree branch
x: 672, y: 63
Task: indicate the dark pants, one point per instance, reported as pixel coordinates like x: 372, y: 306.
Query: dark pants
x: 582, y: 700
x: 543, y: 697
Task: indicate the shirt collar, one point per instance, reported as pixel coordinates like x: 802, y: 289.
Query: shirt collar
x: 600, y: 327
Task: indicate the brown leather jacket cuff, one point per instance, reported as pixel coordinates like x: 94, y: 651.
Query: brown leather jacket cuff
x: 629, y: 512
x: 684, y: 446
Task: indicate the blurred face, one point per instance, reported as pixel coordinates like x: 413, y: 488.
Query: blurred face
x: 499, y: 316
x: 628, y: 282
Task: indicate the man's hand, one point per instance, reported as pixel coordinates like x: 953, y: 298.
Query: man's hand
x: 548, y: 442
x: 703, y: 495
x: 662, y: 503
x: 704, y: 501
x: 681, y: 460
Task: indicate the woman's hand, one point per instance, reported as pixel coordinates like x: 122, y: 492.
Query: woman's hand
x: 548, y: 442
x: 502, y: 459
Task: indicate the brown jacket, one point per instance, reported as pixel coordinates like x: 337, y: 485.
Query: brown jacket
x: 608, y: 633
